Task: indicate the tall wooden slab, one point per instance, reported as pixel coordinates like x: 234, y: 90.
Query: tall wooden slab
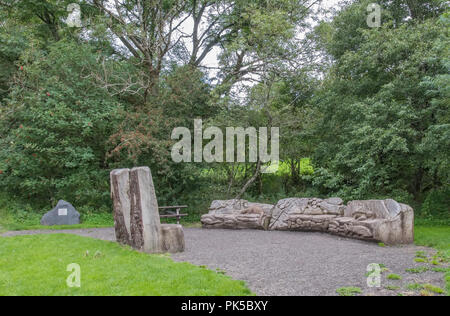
x: 120, y: 194
x: 145, y: 221
x: 136, y: 213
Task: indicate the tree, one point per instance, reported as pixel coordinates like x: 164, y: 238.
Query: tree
x: 13, y: 41
x: 377, y: 107
x: 47, y: 17
x: 148, y: 30
x: 153, y: 31
x: 57, y: 127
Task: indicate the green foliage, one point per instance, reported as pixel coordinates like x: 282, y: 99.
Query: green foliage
x: 439, y: 258
x: 349, y: 291
x: 12, y: 43
x: 421, y: 254
x: 417, y: 270
x: 394, y: 277
x: 306, y: 167
x: 57, y: 129
x: 432, y: 288
x: 374, y: 122
x: 414, y: 286
x: 425, y: 288
x: 441, y: 270
x: 437, y: 204
x: 385, y: 93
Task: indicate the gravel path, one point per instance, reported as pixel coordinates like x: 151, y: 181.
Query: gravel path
x: 291, y: 263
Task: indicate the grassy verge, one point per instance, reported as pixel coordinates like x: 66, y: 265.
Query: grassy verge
x: 30, y: 221
x: 437, y: 237
x: 36, y: 265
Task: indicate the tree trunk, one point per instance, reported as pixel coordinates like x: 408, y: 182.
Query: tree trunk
x: 250, y: 182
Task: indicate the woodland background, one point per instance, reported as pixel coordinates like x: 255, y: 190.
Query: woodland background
x: 363, y: 112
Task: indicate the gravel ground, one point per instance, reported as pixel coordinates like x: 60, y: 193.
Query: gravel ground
x: 291, y: 263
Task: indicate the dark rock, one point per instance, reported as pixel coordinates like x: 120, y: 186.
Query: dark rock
x: 63, y: 214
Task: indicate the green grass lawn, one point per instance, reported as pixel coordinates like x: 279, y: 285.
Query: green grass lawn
x: 36, y: 265
x: 433, y: 236
x: 437, y: 237
x: 29, y: 220
x: 10, y: 222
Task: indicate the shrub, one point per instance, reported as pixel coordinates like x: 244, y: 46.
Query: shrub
x: 306, y: 167
x: 57, y: 130
x: 437, y: 204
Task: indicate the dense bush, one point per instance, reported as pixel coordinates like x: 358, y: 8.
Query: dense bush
x: 437, y: 204
x: 384, y: 109
x: 57, y: 128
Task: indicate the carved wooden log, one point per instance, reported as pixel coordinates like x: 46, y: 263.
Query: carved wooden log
x: 136, y: 211
x: 375, y: 220
x: 120, y: 194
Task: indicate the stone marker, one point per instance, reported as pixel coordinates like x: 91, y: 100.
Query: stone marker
x: 136, y: 213
x: 63, y: 214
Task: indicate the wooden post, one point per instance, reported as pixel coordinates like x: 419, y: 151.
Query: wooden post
x: 145, y: 222
x: 136, y: 214
x: 120, y: 194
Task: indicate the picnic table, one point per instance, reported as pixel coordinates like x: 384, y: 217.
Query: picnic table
x: 173, y: 214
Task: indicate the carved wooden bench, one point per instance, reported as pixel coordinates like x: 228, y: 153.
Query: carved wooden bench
x: 175, y: 214
x: 383, y: 221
